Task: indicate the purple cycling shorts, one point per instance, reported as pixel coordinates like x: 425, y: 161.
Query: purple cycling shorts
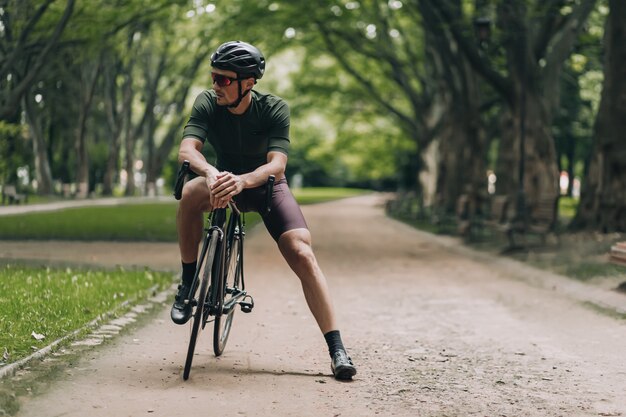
x: 285, y: 212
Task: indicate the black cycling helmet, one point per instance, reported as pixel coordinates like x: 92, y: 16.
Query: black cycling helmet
x: 240, y: 57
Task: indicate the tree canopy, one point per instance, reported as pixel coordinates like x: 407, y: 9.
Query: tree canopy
x: 423, y: 95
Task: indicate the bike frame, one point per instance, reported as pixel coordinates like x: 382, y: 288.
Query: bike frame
x: 230, y: 233
x: 225, y: 232
x: 222, y: 247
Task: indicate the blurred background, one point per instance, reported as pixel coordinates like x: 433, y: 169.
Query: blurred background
x: 449, y: 103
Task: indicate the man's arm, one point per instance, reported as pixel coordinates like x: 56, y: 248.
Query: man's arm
x: 191, y: 150
x: 229, y: 185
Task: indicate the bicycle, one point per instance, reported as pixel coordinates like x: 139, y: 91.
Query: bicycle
x: 219, y: 275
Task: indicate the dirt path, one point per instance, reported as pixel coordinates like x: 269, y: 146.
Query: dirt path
x: 434, y: 333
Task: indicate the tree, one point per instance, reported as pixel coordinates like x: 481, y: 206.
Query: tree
x: 603, y: 200
x: 398, y: 63
x: 43, y: 173
x: 29, y: 34
x: 536, y: 38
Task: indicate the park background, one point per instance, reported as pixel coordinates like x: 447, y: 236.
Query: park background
x: 438, y: 102
x: 437, y: 98
x: 446, y: 105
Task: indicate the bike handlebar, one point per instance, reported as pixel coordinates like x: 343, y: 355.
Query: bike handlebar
x: 268, y: 193
x: 180, y: 180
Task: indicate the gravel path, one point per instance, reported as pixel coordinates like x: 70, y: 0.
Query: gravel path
x: 435, y: 331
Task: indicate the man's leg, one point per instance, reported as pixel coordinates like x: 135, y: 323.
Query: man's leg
x: 189, y: 221
x: 295, y: 245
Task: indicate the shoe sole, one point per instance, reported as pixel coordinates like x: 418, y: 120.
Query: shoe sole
x: 344, y: 372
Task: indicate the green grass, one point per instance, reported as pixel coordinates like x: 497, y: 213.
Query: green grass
x: 128, y: 222
x: 323, y: 194
x: 568, y: 207
x: 586, y: 270
x: 55, y: 302
x: 146, y: 222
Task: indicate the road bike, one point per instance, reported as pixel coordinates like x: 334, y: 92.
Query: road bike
x: 219, y: 277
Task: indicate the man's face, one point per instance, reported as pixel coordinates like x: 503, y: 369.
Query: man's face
x: 226, y: 88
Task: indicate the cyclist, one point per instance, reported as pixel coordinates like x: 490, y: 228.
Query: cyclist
x: 249, y: 132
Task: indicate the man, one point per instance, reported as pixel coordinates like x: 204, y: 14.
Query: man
x: 249, y: 132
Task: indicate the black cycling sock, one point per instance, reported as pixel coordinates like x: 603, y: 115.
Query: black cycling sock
x: 189, y: 271
x: 333, y: 339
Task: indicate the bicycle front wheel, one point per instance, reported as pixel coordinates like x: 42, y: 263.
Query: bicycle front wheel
x: 198, y: 315
x: 231, y: 277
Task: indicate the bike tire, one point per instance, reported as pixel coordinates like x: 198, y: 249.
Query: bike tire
x: 230, y: 276
x: 198, y: 315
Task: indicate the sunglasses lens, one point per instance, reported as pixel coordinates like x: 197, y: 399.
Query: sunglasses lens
x: 221, y: 80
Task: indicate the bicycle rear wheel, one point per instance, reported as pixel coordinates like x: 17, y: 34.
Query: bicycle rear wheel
x: 198, y: 315
x: 231, y: 278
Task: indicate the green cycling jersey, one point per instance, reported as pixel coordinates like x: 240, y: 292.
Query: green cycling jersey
x: 241, y: 142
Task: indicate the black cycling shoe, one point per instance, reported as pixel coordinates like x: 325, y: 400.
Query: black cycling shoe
x: 181, y: 311
x: 342, y: 365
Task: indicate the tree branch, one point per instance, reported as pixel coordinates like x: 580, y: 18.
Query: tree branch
x: 12, y: 104
x: 550, y: 22
x: 19, y: 48
x: 410, y: 122
x: 563, y: 41
x: 446, y: 16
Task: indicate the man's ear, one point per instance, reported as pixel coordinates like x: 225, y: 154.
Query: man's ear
x: 250, y: 83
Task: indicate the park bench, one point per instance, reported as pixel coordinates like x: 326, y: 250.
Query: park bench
x: 542, y: 216
x: 464, y: 215
x: 617, y: 255
x: 499, y: 216
x: 469, y: 215
x: 11, y: 196
x: 474, y: 215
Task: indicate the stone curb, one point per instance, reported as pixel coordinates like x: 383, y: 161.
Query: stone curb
x: 97, y: 335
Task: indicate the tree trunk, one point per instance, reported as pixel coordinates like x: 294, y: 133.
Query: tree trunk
x: 603, y: 200
x: 129, y: 147
x: 151, y: 174
x: 115, y: 121
x: 43, y: 173
x: 541, y: 174
x: 507, y: 161
x: 88, y: 87
x: 462, y: 167
x: 112, y: 164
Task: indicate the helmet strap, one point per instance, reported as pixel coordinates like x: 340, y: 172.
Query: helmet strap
x: 240, y: 96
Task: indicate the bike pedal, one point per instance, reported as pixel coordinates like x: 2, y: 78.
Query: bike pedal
x: 245, y: 306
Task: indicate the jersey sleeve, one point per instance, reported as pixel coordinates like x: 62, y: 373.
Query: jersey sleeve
x: 278, y: 135
x: 198, y: 124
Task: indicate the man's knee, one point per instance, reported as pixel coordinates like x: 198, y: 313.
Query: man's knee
x: 296, y: 247
x: 195, y: 195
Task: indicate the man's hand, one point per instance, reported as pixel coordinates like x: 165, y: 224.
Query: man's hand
x: 226, y: 186
x: 210, y: 180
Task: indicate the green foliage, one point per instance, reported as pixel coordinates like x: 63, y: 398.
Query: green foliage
x: 567, y: 207
x: 14, y: 152
x: 55, y: 302
x: 365, y: 80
